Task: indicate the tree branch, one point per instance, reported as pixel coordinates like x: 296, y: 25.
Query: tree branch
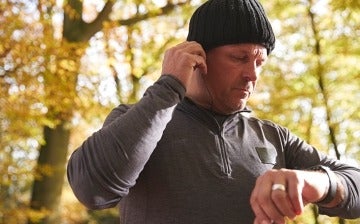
x: 91, y: 28
x: 76, y: 30
x: 167, y: 9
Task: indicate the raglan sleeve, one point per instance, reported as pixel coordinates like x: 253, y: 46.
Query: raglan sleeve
x: 101, y: 171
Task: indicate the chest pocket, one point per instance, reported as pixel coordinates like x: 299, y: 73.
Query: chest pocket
x: 267, y: 155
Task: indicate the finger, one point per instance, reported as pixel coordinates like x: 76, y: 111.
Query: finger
x: 200, y: 64
x: 281, y: 200
x: 260, y: 200
x: 191, y: 47
x: 199, y: 54
x: 182, y: 60
x: 267, y: 203
x: 272, y: 212
x: 295, y: 195
x: 191, y: 53
x: 261, y: 216
x: 195, y: 48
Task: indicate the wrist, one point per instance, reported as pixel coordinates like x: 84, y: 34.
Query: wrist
x: 332, y: 187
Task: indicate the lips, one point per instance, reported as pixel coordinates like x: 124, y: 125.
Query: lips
x: 247, y: 90
x: 242, y: 92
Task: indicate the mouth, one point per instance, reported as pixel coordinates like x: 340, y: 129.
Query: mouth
x: 243, y: 92
x: 243, y: 89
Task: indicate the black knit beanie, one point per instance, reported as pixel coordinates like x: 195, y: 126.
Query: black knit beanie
x: 223, y: 22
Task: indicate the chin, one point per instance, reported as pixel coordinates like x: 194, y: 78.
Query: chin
x: 231, y: 107
x: 240, y: 105
x: 232, y: 110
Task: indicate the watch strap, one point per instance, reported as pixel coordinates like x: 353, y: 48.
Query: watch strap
x: 331, y: 194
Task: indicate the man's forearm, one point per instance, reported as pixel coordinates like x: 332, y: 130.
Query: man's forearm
x: 109, y: 162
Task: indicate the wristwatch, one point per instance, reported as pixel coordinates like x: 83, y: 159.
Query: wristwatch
x: 330, y: 195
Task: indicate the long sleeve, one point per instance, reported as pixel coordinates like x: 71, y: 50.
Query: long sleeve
x: 302, y: 156
x: 350, y: 178
x: 107, y: 164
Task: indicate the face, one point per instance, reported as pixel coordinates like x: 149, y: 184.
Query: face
x: 232, y: 73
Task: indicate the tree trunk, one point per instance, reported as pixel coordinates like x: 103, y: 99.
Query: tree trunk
x: 322, y: 86
x: 51, y: 162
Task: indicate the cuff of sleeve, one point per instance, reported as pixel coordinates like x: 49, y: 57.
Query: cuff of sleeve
x: 333, y: 184
x: 335, y: 211
x: 174, y: 84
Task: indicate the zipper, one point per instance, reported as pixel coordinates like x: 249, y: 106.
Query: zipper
x: 224, y: 154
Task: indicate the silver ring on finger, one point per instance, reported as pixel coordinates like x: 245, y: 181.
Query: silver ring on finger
x: 280, y: 187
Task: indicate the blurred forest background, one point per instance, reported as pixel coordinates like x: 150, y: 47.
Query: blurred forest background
x: 64, y: 64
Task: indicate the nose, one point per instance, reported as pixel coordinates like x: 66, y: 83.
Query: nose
x: 251, y: 72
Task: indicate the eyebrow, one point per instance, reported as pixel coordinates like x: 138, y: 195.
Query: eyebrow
x: 258, y: 53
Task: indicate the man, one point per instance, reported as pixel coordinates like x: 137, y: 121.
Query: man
x: 188, y: 153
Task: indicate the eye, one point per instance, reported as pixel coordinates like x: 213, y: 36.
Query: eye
x: 260, y: 62
x: 240, y: 58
